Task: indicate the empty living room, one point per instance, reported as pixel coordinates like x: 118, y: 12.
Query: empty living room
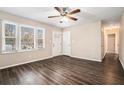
x: 61, y: 45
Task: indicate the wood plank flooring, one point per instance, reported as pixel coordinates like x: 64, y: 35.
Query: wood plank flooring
x: 64, y: 70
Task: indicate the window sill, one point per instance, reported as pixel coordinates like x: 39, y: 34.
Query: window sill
x: 21, y: 51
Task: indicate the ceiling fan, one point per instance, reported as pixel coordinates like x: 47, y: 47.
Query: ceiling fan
x: 65, y: 12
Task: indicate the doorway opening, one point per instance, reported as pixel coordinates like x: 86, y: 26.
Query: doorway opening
x: 110, y: 39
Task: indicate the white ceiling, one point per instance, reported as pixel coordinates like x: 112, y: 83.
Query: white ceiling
x: 87, y: 14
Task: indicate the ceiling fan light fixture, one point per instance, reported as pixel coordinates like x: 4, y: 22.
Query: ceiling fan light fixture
x: 66, y: 13
x: 63, y: 19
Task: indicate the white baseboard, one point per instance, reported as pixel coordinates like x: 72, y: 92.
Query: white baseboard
x: 87, y: 58
x: 122, y: 63
x: 104, y: 56
x: 24, y: 62
x: 44, y: 59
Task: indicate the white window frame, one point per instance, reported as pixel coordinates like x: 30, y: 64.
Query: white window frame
x: 22, y: 25
x: 18, y: 37
x: 43, y: 37
x: 3, y: 22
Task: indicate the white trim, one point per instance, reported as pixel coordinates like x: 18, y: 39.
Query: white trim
x: 43, y: 37
x: 104, y: 56
x: 4, y: 37
x: 27, y: 26
x: 24, y: 62
x: 87, y: 58
x: 34, y: 38
x: 18, y: 37
x: 9, y: 22
x: 21, y: 51
x: 122, y: 63
x: 44, y: 59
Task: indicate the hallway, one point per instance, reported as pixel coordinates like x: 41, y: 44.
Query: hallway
x: 112, y: 69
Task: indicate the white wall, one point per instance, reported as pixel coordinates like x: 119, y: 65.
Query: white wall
x: 121, y: 51
x: 22, y: 57
x: 86, y: 41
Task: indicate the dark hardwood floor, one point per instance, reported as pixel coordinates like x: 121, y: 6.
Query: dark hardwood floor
x: 65, y: 70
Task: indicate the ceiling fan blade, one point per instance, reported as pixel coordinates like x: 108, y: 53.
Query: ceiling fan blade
x: 53, y: 16
x: 72, y: 18
x: 58, y: 9
x: 74, y: 11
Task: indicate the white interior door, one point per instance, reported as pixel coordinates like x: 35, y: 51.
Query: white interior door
x: 66, y: 43
x: 57, y: 43
x: 111, y: 43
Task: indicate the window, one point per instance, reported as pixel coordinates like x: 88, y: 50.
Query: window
x: 27, y: 38
x: 9, y: 37
x: 24, y: 38
x: 40, y: 38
